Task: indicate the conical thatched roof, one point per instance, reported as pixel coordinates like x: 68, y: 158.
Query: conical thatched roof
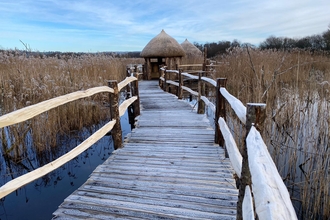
x: 191, y: 50
x: 163, y: 45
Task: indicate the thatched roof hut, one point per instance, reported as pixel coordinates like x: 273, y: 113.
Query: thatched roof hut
x: 191, y: 50
x: 163, y: 45
x: 162, y: 49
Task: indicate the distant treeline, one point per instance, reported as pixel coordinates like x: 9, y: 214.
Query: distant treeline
x: 319, y: 42
x: 64, y: 55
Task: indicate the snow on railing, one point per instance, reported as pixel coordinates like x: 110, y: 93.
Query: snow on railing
x: 248, y: 213
x: 233, y: 152
x: 190, y: 90
x: 189, y: 75
x: 211, y: 81
x: 208, y: 103
x: 272, y: 199
x: 172, y: 83
x: 235, y: 104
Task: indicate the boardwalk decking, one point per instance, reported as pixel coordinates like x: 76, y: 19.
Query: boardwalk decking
x: 169, y: 168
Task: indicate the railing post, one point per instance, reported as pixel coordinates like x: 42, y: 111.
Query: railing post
x: 136, y: 104
x: 114, y: 114
x: 161, y: 75
x: 129, y: 94
x: 255, y: 115
x: 201, y: 104
x: 143, y: 70
x: 135, y: 68
x: 128, y: 89
x: 220, y: 111
x: 180, y: 91
x: 165, y: 79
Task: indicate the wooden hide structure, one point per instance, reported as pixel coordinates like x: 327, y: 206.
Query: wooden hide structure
x: 161, y: 50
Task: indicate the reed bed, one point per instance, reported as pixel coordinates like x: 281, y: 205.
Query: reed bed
x: 26, y: 80
x: 295, y: 86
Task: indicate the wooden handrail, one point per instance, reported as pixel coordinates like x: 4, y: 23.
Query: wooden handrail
x: 125, y: 82
x: 192, y: 65
x: 125, y: 104
x: 41, y: 171
x: 189, y: 75
x: 235, y: 104
x: 210, y: 81
x: 239, y: 160
x: 233, y: 151
x: 190, y: 90
x: 34, y: 110
x: 265, y: 176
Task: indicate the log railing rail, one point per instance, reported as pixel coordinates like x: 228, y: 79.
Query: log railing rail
x: 261, y: 189
x: 117, y: 110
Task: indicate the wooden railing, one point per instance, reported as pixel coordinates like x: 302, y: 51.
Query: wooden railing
x: 261, y: 189
x: 116, y: 110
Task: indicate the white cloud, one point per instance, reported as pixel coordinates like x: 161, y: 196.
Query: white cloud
x: 127, y: 23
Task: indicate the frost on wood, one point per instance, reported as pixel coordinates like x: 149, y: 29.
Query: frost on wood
x: 272, y: 199
x: 172, y: 82
x: 190, y: 90
x: 248, y: 212
x: 208, y: 103
x: 235, y: 104
x: 211, y: 81
x: 233, y: 152
x: 172, y: 71
x: 189, y: 75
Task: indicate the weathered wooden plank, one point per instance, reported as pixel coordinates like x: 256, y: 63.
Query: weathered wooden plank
x: 221, y: 193
x: 167, y: 180
x: 159, y: 175
x: 154, y: 201
x: 227, y: 201
x: 169, y: 168
x: 129, y: 205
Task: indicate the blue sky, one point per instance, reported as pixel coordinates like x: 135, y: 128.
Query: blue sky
x: 123, y: 25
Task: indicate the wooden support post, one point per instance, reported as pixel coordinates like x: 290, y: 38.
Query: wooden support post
x: 128, y: 88
x: 129, y: 94
x: 148, y: 69
x: 205, y: 54
x: 201, y: 104
x: 165, y: 79
x: 114, y: 111
x: 136, y: 104
x: 161, y: 73
x: 135, y: 69
x: 180, y: 91
x: 143, y: 70
x: 255, y: 115
x: 220, y: 111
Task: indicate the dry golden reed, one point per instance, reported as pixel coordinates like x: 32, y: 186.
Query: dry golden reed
x: 27, y: 80
x: 295, y: 86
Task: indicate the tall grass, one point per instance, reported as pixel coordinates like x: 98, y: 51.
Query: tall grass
x: 295, y: 86
x: 27, y: 80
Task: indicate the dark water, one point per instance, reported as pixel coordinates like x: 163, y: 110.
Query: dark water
x: 39, y: 199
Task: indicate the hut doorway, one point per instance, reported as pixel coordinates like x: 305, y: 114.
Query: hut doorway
x: 155, y: 63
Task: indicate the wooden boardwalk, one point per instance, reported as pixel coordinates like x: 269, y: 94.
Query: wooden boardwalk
x: 169, y: 168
